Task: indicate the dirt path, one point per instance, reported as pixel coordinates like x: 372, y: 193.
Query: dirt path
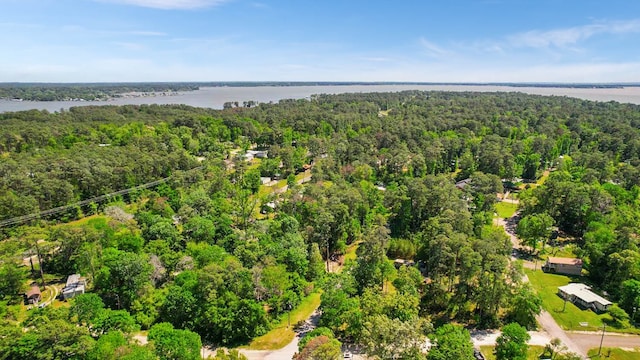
x: 505, y: 198
x: 54, y: 295
x: 305, y: 179
x: 509, y: 226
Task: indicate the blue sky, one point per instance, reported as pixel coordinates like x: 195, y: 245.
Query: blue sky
x: 330, y: 40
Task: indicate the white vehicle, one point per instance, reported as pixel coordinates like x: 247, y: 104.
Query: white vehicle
x: 347, y: 355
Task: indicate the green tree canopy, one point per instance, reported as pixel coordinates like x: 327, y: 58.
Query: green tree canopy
x: 174, y: 344
x: 512, y: 343
x: 451, y: 342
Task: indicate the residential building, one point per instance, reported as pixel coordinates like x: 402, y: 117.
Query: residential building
x: 568, y: 266
x: 74, y: 287
x: 463, y: 183
x: 398, y: 263
x: 582, y: 296
x: 34, y: 296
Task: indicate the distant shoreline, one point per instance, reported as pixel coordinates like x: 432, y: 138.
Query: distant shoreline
x: 215, y: 97
x: 105, y: 92
x: 185, y: 84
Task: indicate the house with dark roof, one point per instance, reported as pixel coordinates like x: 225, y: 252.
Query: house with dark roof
x: 463, y: 183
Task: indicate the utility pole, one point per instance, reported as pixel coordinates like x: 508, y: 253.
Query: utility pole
x: 604, y: 326
x: 328, y: 257
x: 44, y: 284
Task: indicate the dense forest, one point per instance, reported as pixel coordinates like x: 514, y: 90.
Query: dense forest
x: 215, y: 256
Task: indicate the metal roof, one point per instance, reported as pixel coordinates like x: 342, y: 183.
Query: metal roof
x: 584, y: 293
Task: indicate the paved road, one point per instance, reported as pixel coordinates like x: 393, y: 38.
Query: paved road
x: 577, y: 342
x: 287, y: 352
x: 488, y: 337
x: 551, y: 327
x: 586, y: 341
x: 546, y: 321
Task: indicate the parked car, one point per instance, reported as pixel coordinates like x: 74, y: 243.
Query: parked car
x: 348, y: 355
x: 478, y: 355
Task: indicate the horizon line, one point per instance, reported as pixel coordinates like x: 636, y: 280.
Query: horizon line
x: 317, y: 83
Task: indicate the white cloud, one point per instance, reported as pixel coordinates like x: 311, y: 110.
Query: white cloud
x: 131, y: 46
x: 169, y: 4
x: 433, y: 49
x: 376, y: 59
x: 567, y: 37
x: 148, y: 33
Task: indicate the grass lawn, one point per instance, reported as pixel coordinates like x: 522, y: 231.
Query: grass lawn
x: 280, y: 184
x: 350, y: 254
x: 281, y: 334
x: 264, y: 190
x: 543, y: 178
x: 254, y: 164
x: 533, y: 353
x: 614, y: 354
x: 303, y: 175
x: 48, y: 293
x: 566, y: 251
x: 18, y: 312
x: 505, y: 209
x: 546, y: 285
x: 539, y: 181
x: 81, y: 222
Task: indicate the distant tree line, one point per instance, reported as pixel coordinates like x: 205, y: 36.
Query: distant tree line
x: 93, y: 91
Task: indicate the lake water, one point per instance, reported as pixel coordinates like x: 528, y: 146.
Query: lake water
x: 215, y: 97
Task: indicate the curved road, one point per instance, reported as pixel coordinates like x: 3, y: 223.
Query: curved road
x: 287, y: 352
x: 551, y: 327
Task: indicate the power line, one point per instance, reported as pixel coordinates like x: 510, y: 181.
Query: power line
x: 97, y: 199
